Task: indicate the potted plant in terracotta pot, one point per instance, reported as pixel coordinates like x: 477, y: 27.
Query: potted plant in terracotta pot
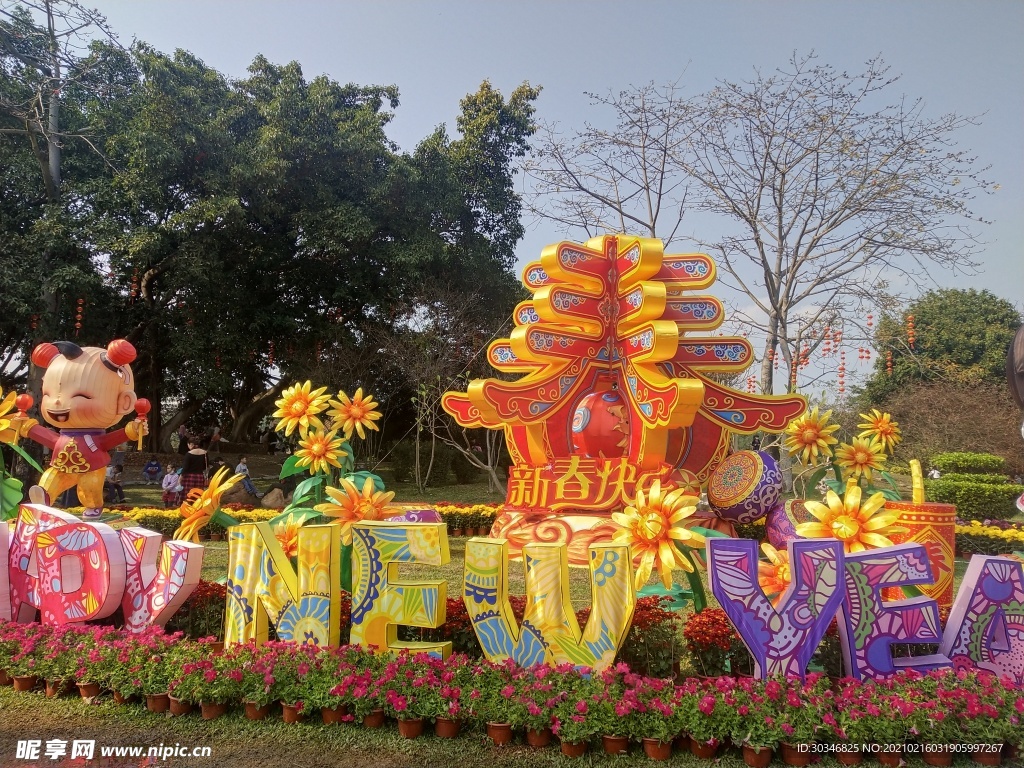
x: 756, y: 728
x: 442, y: 701
x: 986, y: 715
x: 573, y: 721
x: 709, y: 638
x: 290, y: 665
x: 257, y: 679
x: 492, y: 700
x: 612, y: 708
x: 330, y: 681
x: 539, y: 694
x: 801, y: 708
x: 708, y: 711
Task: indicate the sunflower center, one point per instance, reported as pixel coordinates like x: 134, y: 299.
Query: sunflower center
x: 650, y: 527
x: 810, y: 435
x: 782, y: 572
x: 298, y: 407
x: 862, y: 457
x: 318, y: 449
x: 845, y: 527
x: 356, y: 412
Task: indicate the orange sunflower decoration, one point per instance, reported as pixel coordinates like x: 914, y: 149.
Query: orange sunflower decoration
x: 7, y: 433
x: 651, y: 528
x: 320, y: 451
x: 775, y: 575
x: 810, y: 435
x: 860, y: 457
x: 859, y: 526
x: 202, y: 504
x: 352, y: 506
x: 298, y: 408
x: 880, y: 427
x: 287, y: 534
x: 354, y: 414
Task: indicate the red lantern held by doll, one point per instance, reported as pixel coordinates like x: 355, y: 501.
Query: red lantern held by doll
x: 86, y: 390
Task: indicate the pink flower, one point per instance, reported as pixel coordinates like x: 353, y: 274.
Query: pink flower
x: 787, y: 729
x: 508, y: 691
x: 707, y: 705
x: 581, y: 707
x: 209, y: 676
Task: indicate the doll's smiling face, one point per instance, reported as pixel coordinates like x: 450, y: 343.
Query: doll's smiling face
x: 84, y: 393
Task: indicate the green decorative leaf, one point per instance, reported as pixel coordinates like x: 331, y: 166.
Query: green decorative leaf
x: 891, y: 494
x: 837, y: 486
x: 11, y: 494
x: 305, y: 488
x: 909, y: 591
x: 300, y: 515
x: 21, y: 452
x: 816, y: 477
x: 359, y: 478
x: 223, y: 518
x: 348, y: 462
x: 290, y: 467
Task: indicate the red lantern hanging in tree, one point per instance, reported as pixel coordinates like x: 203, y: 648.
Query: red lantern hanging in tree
x: 888, y: 362
x: 842, y: 373
x: 911, y: 333
x: 78, y: 316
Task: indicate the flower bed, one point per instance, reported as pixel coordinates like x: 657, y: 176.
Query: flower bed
x: 959, y: 706
x: 989, y: 537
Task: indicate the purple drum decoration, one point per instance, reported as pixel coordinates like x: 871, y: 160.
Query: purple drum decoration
x: 782, y: 522
x: 745, y: 487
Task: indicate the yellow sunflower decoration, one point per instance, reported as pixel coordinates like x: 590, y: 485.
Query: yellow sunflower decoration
x: 298, y: 408
x: 859, y: 526
x: 320, y: 451
x: 775, y: 575
x: 881, y: 428
x: 810, y: 435
x: 8, y: 434
x: 860, y: 457
x: 352, y: 506
x: 354, y: 414
x: 201, y: 505
x: 651, y: 528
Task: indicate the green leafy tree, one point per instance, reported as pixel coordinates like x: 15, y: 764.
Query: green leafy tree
x: 961, y: 336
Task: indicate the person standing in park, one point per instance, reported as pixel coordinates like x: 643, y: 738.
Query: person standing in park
x: 193, y: 469
x: 247, y: 483
x: 170, y: 485
x: 182, y: 440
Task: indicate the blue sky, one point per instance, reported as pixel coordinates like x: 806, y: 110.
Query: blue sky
x: 957, y: 56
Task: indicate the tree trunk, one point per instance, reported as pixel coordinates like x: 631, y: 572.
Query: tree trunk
x: 172, y: 424
x: 247, y: 419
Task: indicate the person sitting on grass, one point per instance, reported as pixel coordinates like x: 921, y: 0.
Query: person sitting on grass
x: 247, y: 483
x: 152, y: 472
x: 112, y: 484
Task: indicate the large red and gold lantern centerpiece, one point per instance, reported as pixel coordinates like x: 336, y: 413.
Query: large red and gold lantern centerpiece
x: 614, y: 347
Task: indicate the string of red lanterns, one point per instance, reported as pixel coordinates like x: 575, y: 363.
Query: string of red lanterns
x: 911, y: 333
x: 78, y: 316
x: 888, y: 362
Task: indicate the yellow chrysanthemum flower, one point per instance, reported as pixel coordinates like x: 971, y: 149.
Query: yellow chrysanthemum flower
x: 811, y: 435
x: 861, y: 456
x: 775, y: 575
x: 351, y: 506
x: 880, y: 427
x: 858, y: 526
x: 354, y: 414
x: 201, y: 505
x: 652, y: 526
x: 320, y: 451
x: 298, y: 408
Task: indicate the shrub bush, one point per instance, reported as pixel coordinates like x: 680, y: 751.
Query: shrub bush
x: 976, y: 500
x: 403, y: 461
x: 968, y: 463
x: 963, y: 477
x: 164, y: 524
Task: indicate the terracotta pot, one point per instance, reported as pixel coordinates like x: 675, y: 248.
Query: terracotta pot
x: 499, y: 733
x: 216, y: 648
x: 681, y: 743
x: 157, y: 702
x: 5, y: 679
x: 216, y: 537
x: 615, y: 745
x: 703, y: 751
x: 25, y: 683
x: 457, y: 532
x: 333, y: 715
x: 757, y: 758
x: 483, y: 530
x: 574, y: 748
x: 212, y: 711
x: 1010, y: 751
x: 853, y: 757
x: 85, y: 690
x: 374, y: 720
x: 447, y: 729
x: 987, y: 758
x: 120, y: 699
x: 290, y: 713
x: 793, y: 755
x: 539, y: 738
x: 891, y: 759
x: 657, y: 749
x: 204, y: 536
x: 54, y: 688
x: 179, y: 707
x: 256, y: 712
x: 410, y: 728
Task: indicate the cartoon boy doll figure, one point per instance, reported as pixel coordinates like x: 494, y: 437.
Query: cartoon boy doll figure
x: 86, y: 390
